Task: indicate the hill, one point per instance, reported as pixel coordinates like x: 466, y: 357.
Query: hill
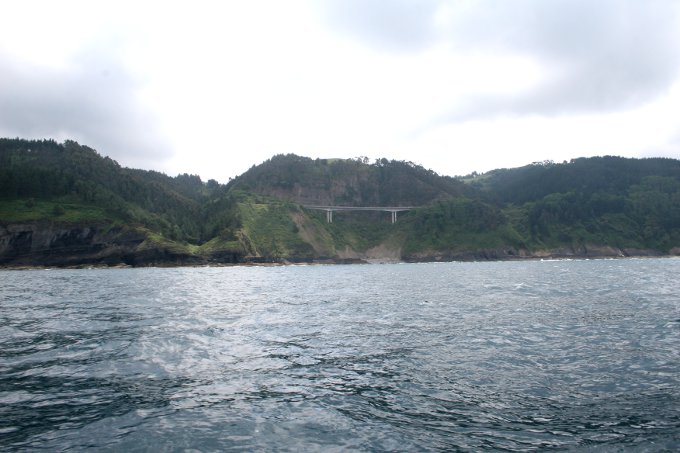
x: 351, y: 182
x: 66, y: 203
x: 63, y: 204
x: 609, y: 201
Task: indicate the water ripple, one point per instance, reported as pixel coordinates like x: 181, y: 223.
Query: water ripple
x: 579, y: 355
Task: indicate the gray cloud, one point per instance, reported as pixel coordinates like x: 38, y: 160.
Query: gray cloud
x: 396, y: 25
x: 602, y: 55
x: 92, y: 99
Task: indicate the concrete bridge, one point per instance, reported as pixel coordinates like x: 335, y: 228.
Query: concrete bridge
x: 330, y: 209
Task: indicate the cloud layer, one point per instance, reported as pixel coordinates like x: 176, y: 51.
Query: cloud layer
x: 91, y: 98
x: 597, y: 56
x: 455, y: 85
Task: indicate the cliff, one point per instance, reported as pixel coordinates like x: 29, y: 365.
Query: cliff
x: 49, y: 244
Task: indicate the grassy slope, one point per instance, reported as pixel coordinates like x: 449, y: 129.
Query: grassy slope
x: 28, y: 210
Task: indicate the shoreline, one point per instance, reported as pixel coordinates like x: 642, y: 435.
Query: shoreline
x: 334, y: 262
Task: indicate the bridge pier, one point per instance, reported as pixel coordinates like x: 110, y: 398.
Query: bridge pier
x: 329, y: 216
x: 394, y: 216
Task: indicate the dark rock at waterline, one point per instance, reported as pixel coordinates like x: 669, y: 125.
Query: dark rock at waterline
x: 51, y: 245
x: 45, y: 245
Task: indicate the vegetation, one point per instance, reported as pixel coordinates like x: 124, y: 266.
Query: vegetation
x: 350, y: 182
x: 625, y: 204
x: 458, y: 225
x: 269, y: 228
x: 603, y: 200
x: 29, y: 210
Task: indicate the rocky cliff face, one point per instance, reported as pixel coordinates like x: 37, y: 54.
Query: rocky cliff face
x: 58, y: 245
x: 511, y: 253
x: 44, y: 244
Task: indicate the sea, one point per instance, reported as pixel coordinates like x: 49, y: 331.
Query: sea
x: 479, y: 356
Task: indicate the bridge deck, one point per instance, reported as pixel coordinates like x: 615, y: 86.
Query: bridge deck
x: 362, y: 208
x: 330, y: 209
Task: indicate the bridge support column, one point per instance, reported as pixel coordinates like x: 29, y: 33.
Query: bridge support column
x: 329, y: 216
x: 394, y: 216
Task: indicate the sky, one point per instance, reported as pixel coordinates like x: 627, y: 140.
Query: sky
x: 215, y: 87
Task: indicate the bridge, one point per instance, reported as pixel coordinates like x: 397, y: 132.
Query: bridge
x: 330, y: 209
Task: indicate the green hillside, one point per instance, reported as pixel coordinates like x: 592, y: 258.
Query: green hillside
x: 351, y: 182
x: 633, y: 203
x: 63, y: 204
x: 73, y: 175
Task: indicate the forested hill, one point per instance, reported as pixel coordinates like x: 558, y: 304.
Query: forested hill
x: 350, y: 182
x: 64, y: 204
x: 588, y: 176
x: 600, y: 200
x: 69, y: 173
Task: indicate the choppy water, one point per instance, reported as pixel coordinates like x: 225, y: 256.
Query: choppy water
x: 577, y: 355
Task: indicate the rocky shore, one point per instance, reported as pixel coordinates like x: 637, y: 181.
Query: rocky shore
x: 40, y: 245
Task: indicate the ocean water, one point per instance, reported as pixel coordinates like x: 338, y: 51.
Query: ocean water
x: 497, y: 356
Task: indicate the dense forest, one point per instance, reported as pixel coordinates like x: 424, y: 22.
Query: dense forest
x: 601, y: 200
x: 64, y: 204
x: 352, y: 182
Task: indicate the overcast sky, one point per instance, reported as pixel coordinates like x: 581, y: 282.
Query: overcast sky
x: 214, y: 87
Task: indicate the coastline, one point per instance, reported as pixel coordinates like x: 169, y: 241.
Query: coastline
x: 477, y: 256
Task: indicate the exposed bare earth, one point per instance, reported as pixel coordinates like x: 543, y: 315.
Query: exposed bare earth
x: 318, y: 238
